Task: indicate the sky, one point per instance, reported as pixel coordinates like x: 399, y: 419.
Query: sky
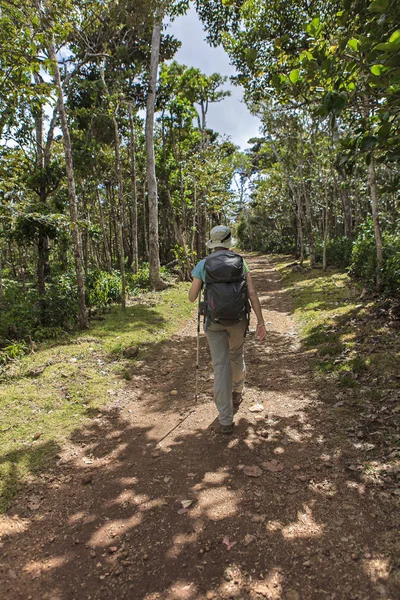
x: 231, y: 116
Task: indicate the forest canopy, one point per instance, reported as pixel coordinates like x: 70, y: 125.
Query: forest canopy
x: 110, y: 175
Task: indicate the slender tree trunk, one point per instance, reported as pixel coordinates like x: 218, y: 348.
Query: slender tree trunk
x: 134, y: 210
x: 145, y: 223
x: 377, y: 226
x: 104, y: 232
x: 325, y: 222
x: 83, y: 316
x: 121, y: 228
x: 310, y: 231
x: 1, y: 273
x: 194, y: 223
x: 154, y: 249
x: 300, y: 239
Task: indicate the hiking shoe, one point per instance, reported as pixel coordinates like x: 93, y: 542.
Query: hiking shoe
x: 237, y: 398
x: 227, y: 429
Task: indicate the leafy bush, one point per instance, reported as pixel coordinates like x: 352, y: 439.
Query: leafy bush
x: 13, y: 351
x: 140, y: 280
x: 363, y: 263
x: 391, y: 267
x: 338, y: 251
x: 24, y: 313
x: 103, y: 288
x: 363, y: 259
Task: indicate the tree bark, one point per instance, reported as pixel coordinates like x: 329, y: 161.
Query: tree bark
x: 133, y: 206
x: 121, y: 227
x: 154, y: 248
x: 310, y: 231
x: 377, y: 226
x: 83, y: 316
x: 104, y: 232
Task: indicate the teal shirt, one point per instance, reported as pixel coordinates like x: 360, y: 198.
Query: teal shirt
x: 200, y: 270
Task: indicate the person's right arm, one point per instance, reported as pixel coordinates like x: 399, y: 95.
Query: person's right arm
x: 256, y: 306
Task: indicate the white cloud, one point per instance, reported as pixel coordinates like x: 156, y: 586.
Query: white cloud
x: 231, y: 116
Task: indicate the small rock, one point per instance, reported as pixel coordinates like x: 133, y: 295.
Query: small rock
x: 307, y: 563
x: 173, y: 393
x: 112, y: 549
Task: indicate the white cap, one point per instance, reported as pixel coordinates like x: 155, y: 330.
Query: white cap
x: 221, y: 237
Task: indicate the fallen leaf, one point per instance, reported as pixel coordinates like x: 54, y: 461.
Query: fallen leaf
x: 182, y: 511
x: 274, y: 465
x: 256, y: 408
x: 248, y: 538
x: 228, y: 544
x: 186, y: 503
x: 252, y: 471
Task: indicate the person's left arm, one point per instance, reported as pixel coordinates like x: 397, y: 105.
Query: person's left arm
x: 195, y: 289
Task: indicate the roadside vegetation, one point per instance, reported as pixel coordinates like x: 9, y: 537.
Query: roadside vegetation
x: 51, y: 392
x: 353, y: 342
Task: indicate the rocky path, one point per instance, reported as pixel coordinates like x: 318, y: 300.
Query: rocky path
x: 148, y: 502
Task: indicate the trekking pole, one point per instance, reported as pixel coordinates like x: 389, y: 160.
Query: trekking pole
x: 198, y: 345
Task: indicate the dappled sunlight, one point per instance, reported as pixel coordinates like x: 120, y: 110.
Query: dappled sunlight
x: 180, y: 590
x: 304, y: 527
x: 216, y: 504
x: 377, y: 568
x: 36, y: 567
x: 149, y: 502
x: 105, y: 535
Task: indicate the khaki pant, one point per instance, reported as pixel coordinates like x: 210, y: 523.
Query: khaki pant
x: 227, y: 352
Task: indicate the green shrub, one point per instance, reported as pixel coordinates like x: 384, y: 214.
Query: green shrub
x: 363, y: 259
x: 363, y: 264
x: 103, y: 288
x: 338, y: 251
x: 391, y: 267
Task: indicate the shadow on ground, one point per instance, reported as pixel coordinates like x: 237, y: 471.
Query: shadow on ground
x: 109, y: 523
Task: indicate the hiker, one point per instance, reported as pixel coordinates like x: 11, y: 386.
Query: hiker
x: 228, y: 289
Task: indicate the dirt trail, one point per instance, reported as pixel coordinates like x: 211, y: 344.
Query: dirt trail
x: 107, y: 521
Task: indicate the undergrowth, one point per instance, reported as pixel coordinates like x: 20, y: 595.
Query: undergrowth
x: 354, y: 344
x: 51, y: 392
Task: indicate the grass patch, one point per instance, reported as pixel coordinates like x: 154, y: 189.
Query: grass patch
x: 47, y: 395
x: 354, y: 346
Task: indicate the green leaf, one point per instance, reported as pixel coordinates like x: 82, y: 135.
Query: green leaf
x: 353, y: 43
x: 368, y: 142
x: 395, y: 37
x: 314, y: 26
x: 378, y: 6
x: 377, y: 70
x: 384, y: 130
x: 294, y: 75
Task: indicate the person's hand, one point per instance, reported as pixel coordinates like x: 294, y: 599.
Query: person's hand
x: 261, y: 332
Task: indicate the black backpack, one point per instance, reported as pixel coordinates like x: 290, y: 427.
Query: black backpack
x: 225, y: 293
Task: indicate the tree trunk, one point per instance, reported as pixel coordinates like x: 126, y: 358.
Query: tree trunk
x: 121, y: 228
x: 154, y: 250
x: 377, y: 226
x: 310, y: 231
x: 134, y: 214
x: 83, y: 317
x: 1, y: 273
x: 299, y: 220
x: 104, y: 232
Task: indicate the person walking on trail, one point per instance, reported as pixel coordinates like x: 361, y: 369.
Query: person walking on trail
x: 228, y: 288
